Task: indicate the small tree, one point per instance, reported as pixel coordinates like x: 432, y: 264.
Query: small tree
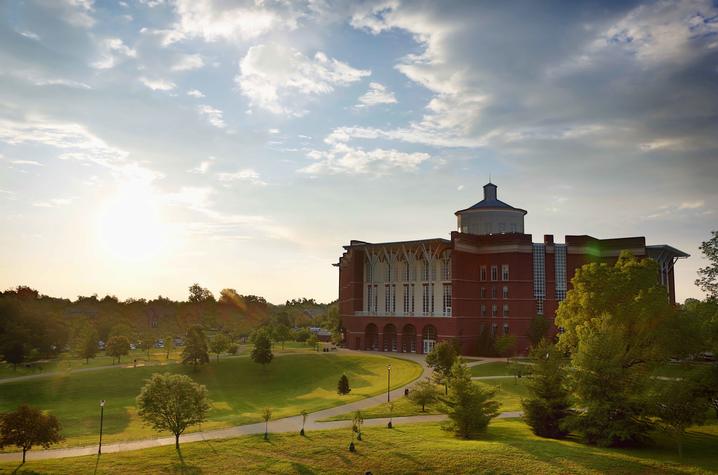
x: 424, y: 392
x: 195, y: 350
x: 266, y: 416
x: 262, y: 351
x: 548, y: 404
x: 117, y: 346
x: 27, y: 426
x: 169, y: 346
x: 357, y: 422
x: 172, y: 402
x: 679, y: 405
x: 343, y: 385
x: 233, y: 349
x: 442, y: 359
x: 505, y: 346
x: 14, y: 353
x: 219, y: 344
x: 87, y: 345
x: 313, y: 341
x: 470, y: 406
x: 281, y: 333
x: 304, y: 414
x: 537, y: 329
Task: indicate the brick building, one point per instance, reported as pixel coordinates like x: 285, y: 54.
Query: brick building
x: 405, y: 296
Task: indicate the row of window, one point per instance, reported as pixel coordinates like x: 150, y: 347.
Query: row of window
x: 407, y: 274
x: 495, y: 272
x: 495, y: 309
x: 427, y: 298
x: 504, y: 292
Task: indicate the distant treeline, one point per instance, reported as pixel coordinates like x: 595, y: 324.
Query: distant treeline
x: 35, y: 326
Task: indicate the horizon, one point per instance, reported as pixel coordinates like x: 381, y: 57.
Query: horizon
x: 146, y: 146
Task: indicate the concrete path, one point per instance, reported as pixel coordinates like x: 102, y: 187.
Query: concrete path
x: 284, y: 425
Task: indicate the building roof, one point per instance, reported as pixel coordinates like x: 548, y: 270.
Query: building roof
x: 490, y: 202
x: 355, y: 243
x: 656, y: 249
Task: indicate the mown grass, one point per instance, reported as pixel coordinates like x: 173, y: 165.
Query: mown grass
x: 402, y: 407
x: 239, y: 390
x: 496, y: 368
x: 507, y: 447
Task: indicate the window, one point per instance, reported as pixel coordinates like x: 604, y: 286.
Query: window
x: 372, y: 301
x: 446, y: 268
x: 506, y: 328
x: 390, y: 298
x: 483, y: 273
x: 409, y: 298
x: 426, y: 275
x: 493, y: 329
x: 506, y: 310
x: 493, y: 292
x: 483, y: 310
x: 502, y: 228
x: 483, y: 292
x: 513, y: 227
x: 493, y: 310
x: 494, y: 273
x: 369, y: 273
x: 539, y: 306
x: 427, y: 301
x: 539, y: 256
x: 388, y: 272
x: 505, y: 272
x: 505, y: 292
x: 560, y: 262
x: 447, y: 299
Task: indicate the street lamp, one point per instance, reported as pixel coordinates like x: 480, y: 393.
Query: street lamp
x: 388, y: 382
x: 102, y: 417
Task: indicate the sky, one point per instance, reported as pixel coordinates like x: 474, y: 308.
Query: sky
x: 149, y: 144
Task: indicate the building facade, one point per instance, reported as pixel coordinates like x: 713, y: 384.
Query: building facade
x: 489, y: 276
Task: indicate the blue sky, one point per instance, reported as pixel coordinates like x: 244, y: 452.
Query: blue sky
x: 146, y: 145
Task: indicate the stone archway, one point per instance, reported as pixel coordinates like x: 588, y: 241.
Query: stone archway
x: 408, y: 339
x: 371, y: 337
x: 390, y: 343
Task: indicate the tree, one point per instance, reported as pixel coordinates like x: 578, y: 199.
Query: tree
x: 302, y: 335
x: 424, y: 392
x: 281, y: 333
x: 485, y: 345
x: 28, y: 426
x: 172, y: 402
x: 313, y: 341
x: 198, y: 294
x: 617, y: 327
x: 233, y: 348
x: 442, y: 359
x: 87, y: 345
x: 343, y: 385
x: 262, y: 351
x: 266, y: 416
x: 117, y: 347
x: 304, y: 415
x: 679, y: 405
x: 169, y: 346
x: 357, y: 422
x: 708, y: 275
x: 537, y: 329
x: 14, y: 353
x: 548, y: 404
x: 505, y: 346
x: 219, y: 344
x: 195, y: 350
x: 470, y: 406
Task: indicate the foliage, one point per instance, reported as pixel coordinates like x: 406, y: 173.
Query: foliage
x: 313, y: 341
x: 698, y: 326
x: 262, y: 351
x: 301, y: 334
x: 219, y: 344
x: 708, y: 275
x: 28, y: 426
x: 266, y: 416
x: 505, y: 345
x: 169, y: 343
x: 549, y: 403
x: 343, y: 385
x: 87, y: 344
x: 233, y: 349
x: 538, y: 328
x: 281, y: 333
x: 678, y: 405
x: 198, y: 294
x: 422, y: 393
x: 195, y: 350
x: 172, y: 402
x: 117, y: 347
x: 485, y: 345
x: 470, y: 406
x: 357, y: 422
x: 618, y: 327
x: 30, y: 326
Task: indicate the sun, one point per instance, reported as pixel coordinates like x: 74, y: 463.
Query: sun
x: 130, y: 225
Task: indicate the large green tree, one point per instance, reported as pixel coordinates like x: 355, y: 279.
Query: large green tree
x: 470, y: 406
x: 442, y: 359
x: 262, y: 350
x: 708, y: 275
x: 117, y: 347
x: 172, y: 402
x: 87, y: 344
x: 219, y: 344
x: 617, y: 323
x: 27, y: 426
x: 195, y: 349
x: 548, y: 403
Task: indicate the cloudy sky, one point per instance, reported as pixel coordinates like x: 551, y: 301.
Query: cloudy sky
x: 146, y: 145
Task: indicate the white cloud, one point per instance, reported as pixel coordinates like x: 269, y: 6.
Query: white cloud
x: 112, y: 51
x: 195, y: 93
x: 274, y: 77
x: 692, y: 204
x: 30, y: 34
x: 158, y: 84
x: 53, y: 202
x: 75, y: 12
x: 344, y: 159
x: 377, y: 94
x: 26, y: 162
x: 212, y: 115
x: 188, y: 62
x: 249, y: 175
x: 203, y: 166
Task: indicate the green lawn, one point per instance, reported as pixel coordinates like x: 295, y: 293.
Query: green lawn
x: 507, y: 447
x: 402, y: 407
x: 496, y: 368
x: 508, y: 392
x: 238, y: 388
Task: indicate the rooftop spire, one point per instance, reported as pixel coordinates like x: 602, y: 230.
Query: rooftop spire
x: 489, y: 191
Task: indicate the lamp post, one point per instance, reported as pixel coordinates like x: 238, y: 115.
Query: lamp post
x: 388, y: 382
x: 102, y: 417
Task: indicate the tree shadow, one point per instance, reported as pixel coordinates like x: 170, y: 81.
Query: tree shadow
x: 302, y: 469
x: 183, y: 467
x: 18, y: 467
x: 97, y: 464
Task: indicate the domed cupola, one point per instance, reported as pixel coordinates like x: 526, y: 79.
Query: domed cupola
x: 491, y: 216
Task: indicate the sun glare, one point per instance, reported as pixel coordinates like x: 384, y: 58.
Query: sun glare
x: 131, y: 226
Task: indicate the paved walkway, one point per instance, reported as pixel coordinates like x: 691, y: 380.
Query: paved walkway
x: 284, y: 425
